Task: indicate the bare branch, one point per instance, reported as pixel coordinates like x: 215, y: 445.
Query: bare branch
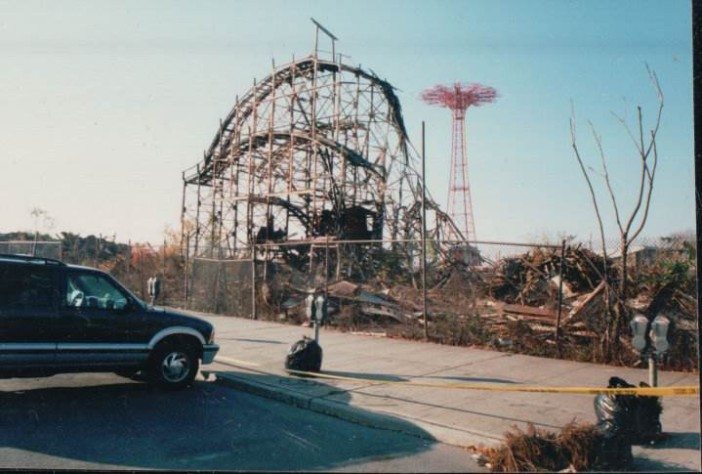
x: 642, y: 182
x: 646, y: 172
x: 594, y: 171
x: 626, y: 127
x: 659, y: 93
x: 598, y: 141
x: 656, y: 84
x: 592, y: 190
x: 651, y: 177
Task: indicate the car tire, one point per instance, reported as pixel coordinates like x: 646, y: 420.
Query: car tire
x: 172, y: 365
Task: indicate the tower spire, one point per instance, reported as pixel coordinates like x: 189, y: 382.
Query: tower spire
x: 458, y: 97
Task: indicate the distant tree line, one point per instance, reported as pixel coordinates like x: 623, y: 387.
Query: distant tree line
x: 75, y: 248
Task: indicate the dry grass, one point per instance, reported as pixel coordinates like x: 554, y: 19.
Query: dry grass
x: 576, y: 447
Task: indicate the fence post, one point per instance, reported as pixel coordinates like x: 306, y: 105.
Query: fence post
x: 560, y: 299
x: 253, y: 281
x: 424, y: 240
x: 186, y: 269
x: 216, y: 287
x: 338, y: 262
x: 326, y: 267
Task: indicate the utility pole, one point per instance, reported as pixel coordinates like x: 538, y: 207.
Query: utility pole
x: 424, y: 236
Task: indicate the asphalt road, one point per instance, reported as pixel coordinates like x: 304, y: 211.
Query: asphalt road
x: 101, y: 421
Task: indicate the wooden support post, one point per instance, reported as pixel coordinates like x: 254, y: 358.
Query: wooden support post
x: 560, y: 298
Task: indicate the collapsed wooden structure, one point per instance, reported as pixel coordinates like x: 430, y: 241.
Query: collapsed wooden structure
x: 316, y: 148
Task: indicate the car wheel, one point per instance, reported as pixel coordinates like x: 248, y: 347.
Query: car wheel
x: 173, y: 365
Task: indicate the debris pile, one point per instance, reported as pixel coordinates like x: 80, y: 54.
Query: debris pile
x: 511, y: 305
x: 532, y: 278
x: 574, y: 449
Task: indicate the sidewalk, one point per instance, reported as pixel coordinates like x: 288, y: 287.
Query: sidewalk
x: 252, y: 355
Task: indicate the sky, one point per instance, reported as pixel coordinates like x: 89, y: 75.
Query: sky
x: 104, y: 103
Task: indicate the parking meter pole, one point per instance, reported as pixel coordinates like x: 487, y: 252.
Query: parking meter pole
x: 652, y: 371
x: 316, y: 331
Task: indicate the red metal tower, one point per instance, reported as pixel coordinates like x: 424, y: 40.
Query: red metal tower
x: 458, y: 97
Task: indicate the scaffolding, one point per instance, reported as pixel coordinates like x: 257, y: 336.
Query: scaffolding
x: 316, y: 150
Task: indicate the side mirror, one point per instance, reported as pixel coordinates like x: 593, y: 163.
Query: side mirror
x: 638, y: 325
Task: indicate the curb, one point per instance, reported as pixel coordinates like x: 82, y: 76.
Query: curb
x: 392, y: 422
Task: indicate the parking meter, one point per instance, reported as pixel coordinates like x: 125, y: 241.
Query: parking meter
x: 659, y: 334
x: 309, y: 308
x: 639, y: 325
x: 321, y: 309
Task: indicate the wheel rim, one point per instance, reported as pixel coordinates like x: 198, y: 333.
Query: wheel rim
x: 175, y: 366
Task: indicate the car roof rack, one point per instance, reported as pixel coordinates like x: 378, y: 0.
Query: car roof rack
x: 31, y: 258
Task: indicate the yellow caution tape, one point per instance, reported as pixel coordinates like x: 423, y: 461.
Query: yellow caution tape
x: 677, y: 391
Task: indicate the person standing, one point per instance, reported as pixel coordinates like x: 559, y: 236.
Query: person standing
x: 154, y: 287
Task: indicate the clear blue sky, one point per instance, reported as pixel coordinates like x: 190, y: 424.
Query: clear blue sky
x: 104, y: 103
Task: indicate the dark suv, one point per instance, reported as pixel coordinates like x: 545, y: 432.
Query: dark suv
x: 57, y: 318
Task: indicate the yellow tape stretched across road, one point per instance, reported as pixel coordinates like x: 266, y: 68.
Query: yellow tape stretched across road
x: 678, y: 391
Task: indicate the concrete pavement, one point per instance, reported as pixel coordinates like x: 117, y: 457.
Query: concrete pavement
x: 102, y: 421
x: 252, y: 354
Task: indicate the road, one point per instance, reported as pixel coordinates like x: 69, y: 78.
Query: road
x: 102, y: 421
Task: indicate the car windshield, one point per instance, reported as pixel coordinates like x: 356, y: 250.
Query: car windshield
x: 93, y: 291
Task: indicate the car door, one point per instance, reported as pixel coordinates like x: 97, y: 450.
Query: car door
x: 98, y: 319
x: 28, y: 314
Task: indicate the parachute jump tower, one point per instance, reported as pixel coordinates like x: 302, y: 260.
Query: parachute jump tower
x: 458, y: 97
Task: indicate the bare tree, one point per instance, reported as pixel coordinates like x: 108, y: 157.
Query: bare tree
x: 41, y: 219
x: 631, y: 225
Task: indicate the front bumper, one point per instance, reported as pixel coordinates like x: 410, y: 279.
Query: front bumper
x: 208, y: 353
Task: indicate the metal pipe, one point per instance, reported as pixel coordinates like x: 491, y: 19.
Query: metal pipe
x: 652, y: 371
x: 388, y: 241
x: 424, y: 238
x: 560, y: 298
x: 326, y: 268
x: 254, y: 309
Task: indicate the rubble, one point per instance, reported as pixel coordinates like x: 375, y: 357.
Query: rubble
x: 528, y: 278
x: 589, y: 308
x: 463, y: 306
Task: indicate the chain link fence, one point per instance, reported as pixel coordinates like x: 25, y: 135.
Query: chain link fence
x: 46, y: 249
x: 221, y: 286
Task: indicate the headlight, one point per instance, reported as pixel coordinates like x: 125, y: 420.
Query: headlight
x: 211, y: 338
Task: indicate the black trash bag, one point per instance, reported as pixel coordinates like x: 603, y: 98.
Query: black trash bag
x: 305, y: 355
x: 639, y: 418
x: 624, y: 420
x: 647, y: 419
x: 615, y: 421
x: 615, y: 413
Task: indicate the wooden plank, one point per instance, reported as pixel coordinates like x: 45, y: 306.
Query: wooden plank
x: 589, y: 301
x: 529, y: 311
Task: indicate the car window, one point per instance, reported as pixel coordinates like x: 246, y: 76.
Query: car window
x: 90, y: 290
x: 26, y: 286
